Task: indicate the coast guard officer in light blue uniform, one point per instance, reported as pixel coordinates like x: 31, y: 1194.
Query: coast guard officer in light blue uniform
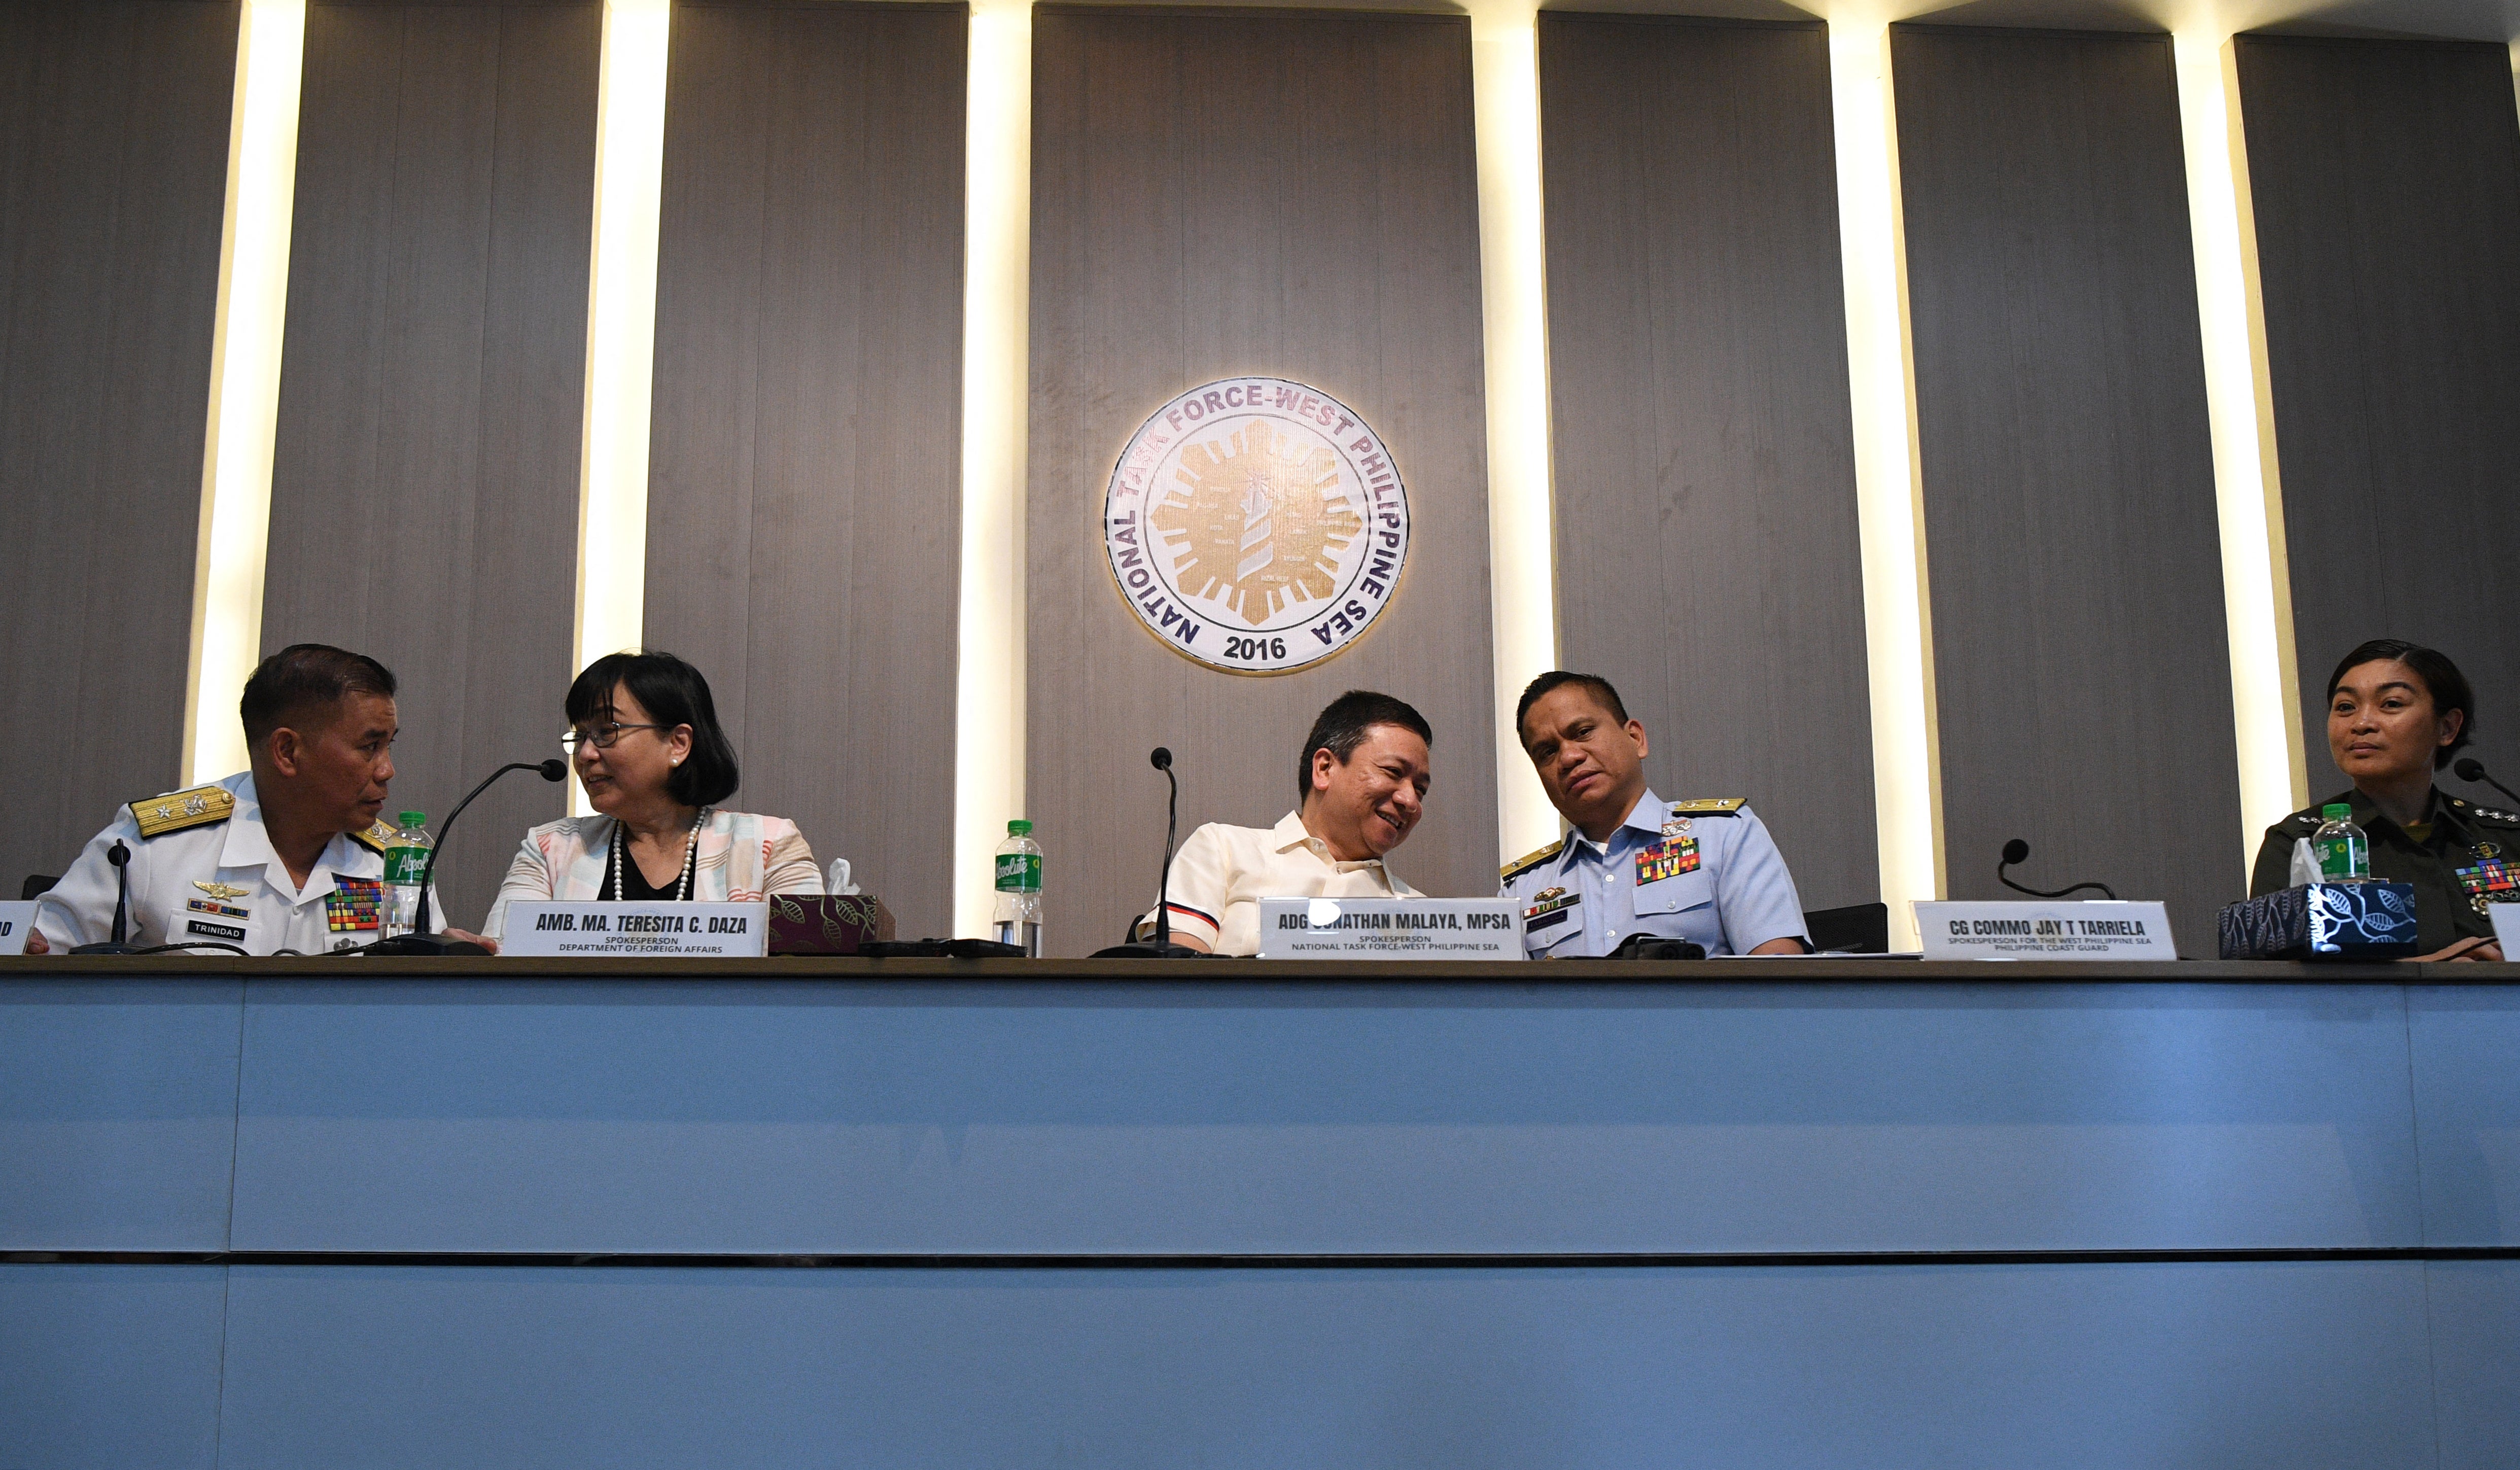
x: 1703, y: 871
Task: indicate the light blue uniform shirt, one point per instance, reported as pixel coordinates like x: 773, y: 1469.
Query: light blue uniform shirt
x: 1711, y: 877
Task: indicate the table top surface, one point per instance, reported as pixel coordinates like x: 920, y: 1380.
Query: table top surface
x: 1872, y: 969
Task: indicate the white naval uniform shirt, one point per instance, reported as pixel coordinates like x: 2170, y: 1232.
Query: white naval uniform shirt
x: 1222, y: 872
x: 171, y: 904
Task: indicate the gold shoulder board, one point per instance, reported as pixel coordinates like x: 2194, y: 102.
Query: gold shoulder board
x: 374, y: 836
x: 176, y: 811
x: 1531, y: 860
x: 1701, y: 806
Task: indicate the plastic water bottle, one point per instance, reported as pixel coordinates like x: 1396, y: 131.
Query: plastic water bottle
x: 406, y: 860
x: 2344, y: 852
x: 1019, y: 919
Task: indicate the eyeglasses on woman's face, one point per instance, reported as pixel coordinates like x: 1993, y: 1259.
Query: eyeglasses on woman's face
x: 602, y: 736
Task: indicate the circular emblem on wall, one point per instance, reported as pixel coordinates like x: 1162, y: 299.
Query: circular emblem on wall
x: 1256, y: 525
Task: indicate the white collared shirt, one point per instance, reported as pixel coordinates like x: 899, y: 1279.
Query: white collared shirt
x: 1222, y: 872
x: 219, y: 881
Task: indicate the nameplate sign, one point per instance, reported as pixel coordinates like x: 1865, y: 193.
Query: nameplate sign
x: 2099, y: 930
x: 686, y: 931
x: 16, y: 921
x: 1388, y: 928
x: 2506, y: 927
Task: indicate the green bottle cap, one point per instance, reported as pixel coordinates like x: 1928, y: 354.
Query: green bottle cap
x: 2337, y: 811
x: 415, y: 819
x: 1018, y: 827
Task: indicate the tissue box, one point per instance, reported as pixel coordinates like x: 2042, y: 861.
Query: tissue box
x: 827, y: 924
x: 2322, y: 921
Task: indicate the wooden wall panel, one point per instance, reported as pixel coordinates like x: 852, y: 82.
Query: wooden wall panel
x: 1708, y: 558
x: 1215, y: 193
x: 2081, y: 674
x: 2387, y: 181
x: 803, y: 539
x: 424, y: 481
x: 113, y: 133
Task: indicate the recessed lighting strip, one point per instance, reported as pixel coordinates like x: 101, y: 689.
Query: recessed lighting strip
x: 1514, y: 281
x: 1890, y: 511
x: 2248, y: 492
x: 620, y: 334
x: 251, y: 320
x: 990, y: 633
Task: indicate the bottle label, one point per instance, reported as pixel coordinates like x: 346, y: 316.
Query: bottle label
x: 2342, y: 858
x: 1019, y: 872
x: 405, y: 864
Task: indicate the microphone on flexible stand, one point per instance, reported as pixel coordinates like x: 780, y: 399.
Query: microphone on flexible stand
x: 2470, y: 769
x: 2016, y: 851
x: 121, y: 856
x: 419, y: 941
x: 1162, y: 947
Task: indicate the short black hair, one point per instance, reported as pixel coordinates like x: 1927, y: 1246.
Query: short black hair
x: 673, y: 692
x: 1341, y: 725
x: 2442, y: 680
x: 1559, y: 678
x: 305, y: 677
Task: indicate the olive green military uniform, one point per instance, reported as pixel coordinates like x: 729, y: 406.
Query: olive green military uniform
x: 2470, y: 856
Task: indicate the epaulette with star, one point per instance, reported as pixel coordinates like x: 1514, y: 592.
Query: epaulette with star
x: 1529, y: 861
x: 2488, y: 814
x: 176, y: 811
x: 374, y: 836
x: 1709, y: 806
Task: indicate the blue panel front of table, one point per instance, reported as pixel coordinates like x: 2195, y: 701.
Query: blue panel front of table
x: 110, y: 1367
x: 2466, y: 1044
x: 768, y: 1117
x: 2474, y: 1308
x: 117, y: 1113
x: 2232, y: 1366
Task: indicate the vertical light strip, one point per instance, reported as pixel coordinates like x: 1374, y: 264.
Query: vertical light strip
x: 997, y: 294
x: 1898, y: 621
x: 245, y: 384
x: 621, y: 328
x: 620, y: 334
x: 1513, y: 282
x: 2257, y: 587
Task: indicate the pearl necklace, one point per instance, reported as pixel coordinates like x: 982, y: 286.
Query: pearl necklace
x: 689, y: 879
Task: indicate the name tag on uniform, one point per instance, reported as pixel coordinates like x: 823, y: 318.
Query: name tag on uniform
x: 1551, y: 908
x: 1390, y: 928
x: 16, y: 921
x: 686, y: 931
x: 2095, y: 930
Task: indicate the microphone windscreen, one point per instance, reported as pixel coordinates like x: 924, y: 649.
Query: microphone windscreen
x: 1161, y: 758
x: 2014, y: 850
x: 2471, y: 768
x: 555, y: 769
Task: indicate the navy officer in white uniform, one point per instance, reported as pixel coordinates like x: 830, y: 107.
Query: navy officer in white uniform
x: 288, y: 855
x: 1703, y: 871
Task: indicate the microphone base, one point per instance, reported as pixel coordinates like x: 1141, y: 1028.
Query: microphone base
x: 106, y: 947
x: 430, y: 945
x: 1150, y: 950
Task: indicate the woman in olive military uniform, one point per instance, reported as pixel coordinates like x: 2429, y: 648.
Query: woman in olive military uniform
x: 2395, y: 714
